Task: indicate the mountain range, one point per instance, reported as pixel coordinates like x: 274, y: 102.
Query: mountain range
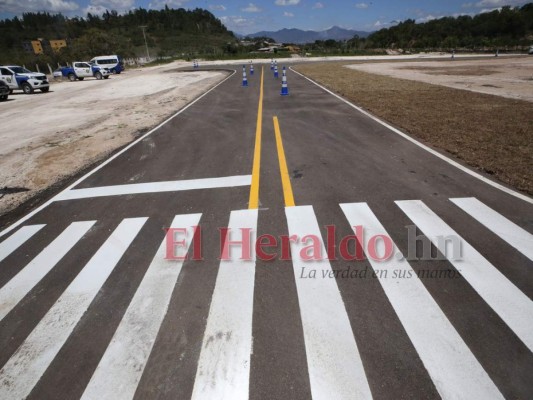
x: 299, y: 36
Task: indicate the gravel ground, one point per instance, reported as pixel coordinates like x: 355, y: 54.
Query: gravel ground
x: 47, y: 137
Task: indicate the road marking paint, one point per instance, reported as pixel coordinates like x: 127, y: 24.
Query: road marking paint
x: 16, y: 240
x: 513, y: 306
x: 517, y: 237
x: 155, y: 187
x: 423, y: 146
x: 113, y: 157
x: 451, y: 365
x: 254, y: 190
x: 335, y: 367
x: 224, y: 365
x: 20, y: 285
x: 123, y: 363
x: 24, y: 369
x: 285, y: 179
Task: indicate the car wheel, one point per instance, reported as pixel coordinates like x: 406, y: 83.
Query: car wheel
x: 98, y: 75
x: 4, y: 97
x: 71, y: 77
x: 45, y: 89
x: 26, y: 88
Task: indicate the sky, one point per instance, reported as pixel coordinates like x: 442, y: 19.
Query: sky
x: 258, y: 15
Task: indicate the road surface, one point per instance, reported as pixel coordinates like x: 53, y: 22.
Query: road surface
x: 434, y: 300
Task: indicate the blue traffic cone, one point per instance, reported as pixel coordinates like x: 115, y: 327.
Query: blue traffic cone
x: 272, y: 65
x: 251, y: 69
x: 244, y: 79
x: 284, y: 87
x: 276, y: 75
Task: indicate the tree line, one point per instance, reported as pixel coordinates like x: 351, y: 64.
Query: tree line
x: 198, y: 33
x: 169, y: 32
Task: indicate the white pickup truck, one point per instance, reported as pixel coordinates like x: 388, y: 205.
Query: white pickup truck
x: 19, y: 78
x: 81, y: 70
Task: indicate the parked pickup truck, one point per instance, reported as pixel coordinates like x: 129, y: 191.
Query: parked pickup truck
x: 81, y: 70
x: 4, y: 91
x: 19, y: 78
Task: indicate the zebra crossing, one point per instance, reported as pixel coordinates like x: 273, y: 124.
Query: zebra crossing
x: 334, y: 363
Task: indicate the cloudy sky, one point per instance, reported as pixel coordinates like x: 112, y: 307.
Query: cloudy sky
x: 257, y: 15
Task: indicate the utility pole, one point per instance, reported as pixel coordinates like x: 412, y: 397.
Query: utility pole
x: 143, y: 27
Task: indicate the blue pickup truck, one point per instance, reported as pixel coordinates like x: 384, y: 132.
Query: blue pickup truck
x: 81, y: 70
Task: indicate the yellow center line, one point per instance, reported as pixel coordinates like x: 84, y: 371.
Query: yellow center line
x: 254, y: 189
x: 285, y: 179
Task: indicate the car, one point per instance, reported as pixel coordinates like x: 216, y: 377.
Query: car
x: 4, y: 91
x: 19, y: 78
x: 81, y: 70
x: 114, y: 63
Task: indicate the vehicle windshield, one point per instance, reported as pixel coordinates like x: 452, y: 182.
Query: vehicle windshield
x: 20, y: 70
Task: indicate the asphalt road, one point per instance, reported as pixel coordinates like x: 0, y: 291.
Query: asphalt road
x: 90, y: 308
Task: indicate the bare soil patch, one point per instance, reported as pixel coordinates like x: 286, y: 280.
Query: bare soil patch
x: 490, y: 133
x: 510, y: 77
x: 47, y: 137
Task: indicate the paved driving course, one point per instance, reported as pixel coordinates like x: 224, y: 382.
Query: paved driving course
x: 92, y: 308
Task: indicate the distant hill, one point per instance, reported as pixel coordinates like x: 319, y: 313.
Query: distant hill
x: 299, y: 36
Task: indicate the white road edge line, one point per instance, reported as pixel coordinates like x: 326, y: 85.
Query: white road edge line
x: 507, y: 230
x: 512, y: 305
x: 11, y: 244
x: 423, y: 146
x: 156, y: 187
x: 453, y: 368
x: 121, y: 367
x: 27, y: 365
x: 21, y: 284
x: 223, y: 370
x: 335, y: 367
x: 103, y: 164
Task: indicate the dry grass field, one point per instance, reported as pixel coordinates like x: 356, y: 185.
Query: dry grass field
x: 490, y: 133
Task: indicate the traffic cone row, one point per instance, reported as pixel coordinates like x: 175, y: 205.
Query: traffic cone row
x: 274, y: 67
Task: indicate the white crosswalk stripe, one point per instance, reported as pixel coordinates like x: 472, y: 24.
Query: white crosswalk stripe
x: 24, y: 369
x: 517, y: 237
x: 335, y: 367
x: 18, y: 287
x: 224, y: 365
x: 453, y: 368
x: 123, y: 363
x: 334, y: 363
x: 16, y: 240
x: 513, y: 306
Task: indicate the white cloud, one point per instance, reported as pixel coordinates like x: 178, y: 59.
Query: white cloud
x: 159, y: 4
x: 252, y: 8
x: 237, y: 22
x: 362, y: 5
x: 19, y: 6
x: 288, y: 14
x: 217, y: 7
x: 379, y: 24
x: 494, y: 4
x: 287, y: 2
x: 318, y: 6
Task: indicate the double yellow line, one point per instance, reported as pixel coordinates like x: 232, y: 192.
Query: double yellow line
x: 285, y: 179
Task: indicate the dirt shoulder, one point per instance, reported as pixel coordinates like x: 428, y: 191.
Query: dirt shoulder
x: 47, y: 137
x: 491, y: 133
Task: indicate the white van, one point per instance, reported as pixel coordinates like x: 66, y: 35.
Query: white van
x: 113, y: 63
